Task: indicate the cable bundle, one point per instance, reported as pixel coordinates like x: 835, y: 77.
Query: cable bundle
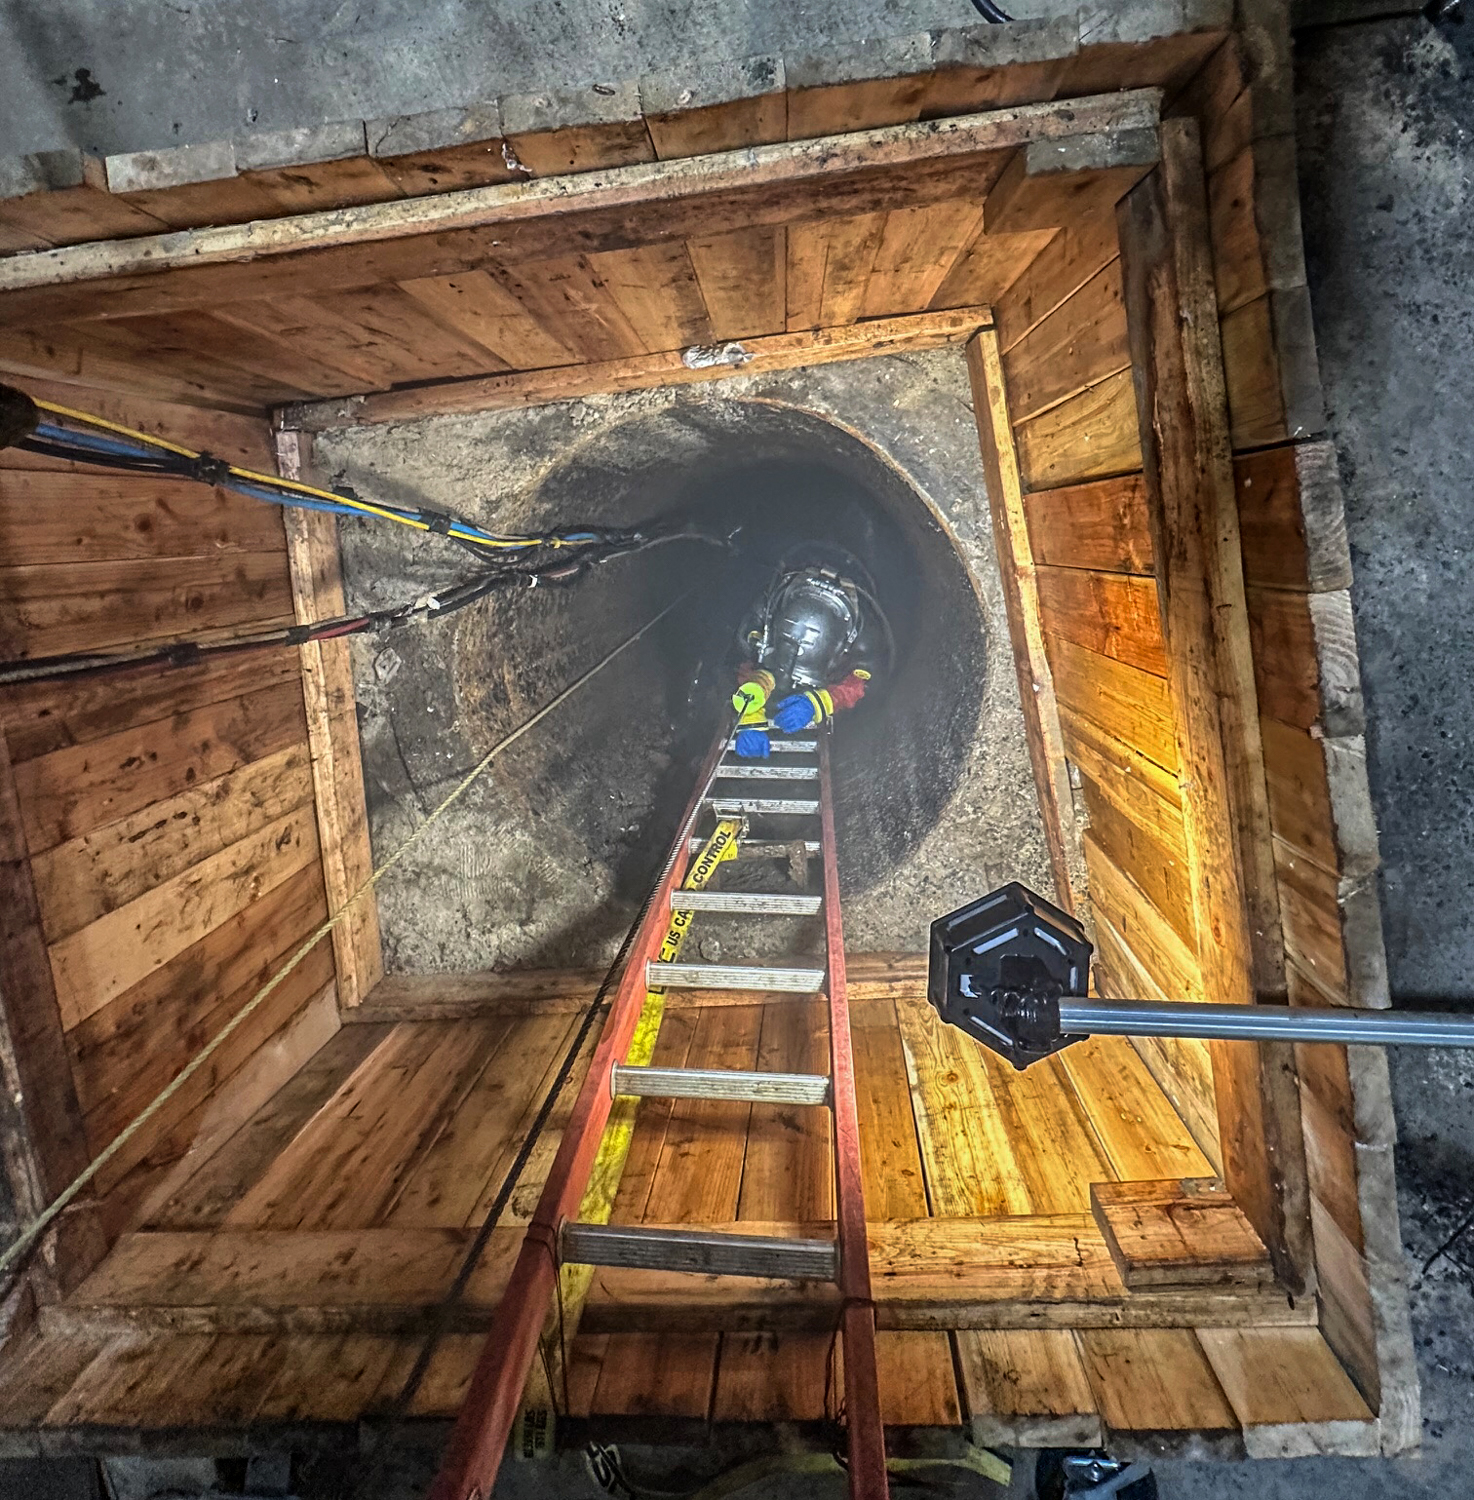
x: 552, y: 557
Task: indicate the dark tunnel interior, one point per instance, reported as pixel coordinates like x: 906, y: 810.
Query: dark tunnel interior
x: 618, y: 770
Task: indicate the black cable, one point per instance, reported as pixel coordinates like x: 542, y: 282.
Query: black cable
x: 990, y: 12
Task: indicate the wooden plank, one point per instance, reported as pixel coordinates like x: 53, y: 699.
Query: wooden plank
x: 101, y: 517
x: 1256, y: 402
x: 1290, y: 1393
x: 36, y: 1374
x: 829, y: 268
x: 328, y: 1379
x: 41, y: 1132
x: 787, y: 1174
x: 1087, y: 436
x: 1157, y: 1381
x: 1047, y: 185
x: 918, y: 248
x: 57, y: 608
x: 656, y: 289
x: 1138, y: 1129
x: 988, y: 266
x: 134, y: 1383
x: 1037, y: 693
x: 45, y: 716
x: 917, y: 1380
x: 1178, y: 1232
x: 396, y: 327
x: 1102, y: 526
x: 480, y: 308
x: 1111, y: 614
x: 1148, y: 935
x: 445, y: 1188
x: 1066, y: 261
x: 1161, y: 876
x: 1292, y: 521
x: 970, y: 1163
x: 85, y: 878
x: 1137, y: 788
x: 879, y: 79
x: 1077, y: 346
x: 571, y: 294
x: 332, y: 735
x: 213, y: 1186
x: 1306, y: 666
x: 108, y: 956
x: 150, y: 1032
x: 868, y: 171
x: 577, y: 129
x: 1182, y: 1067
x: 779, y: 351
x: 1126, y: 703
x: 1184, y: 435
x: 1028, y: 1388
x: 718, y: 106
x: 742, y: 281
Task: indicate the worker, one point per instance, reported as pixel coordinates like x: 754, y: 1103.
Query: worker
x: 810, y: 647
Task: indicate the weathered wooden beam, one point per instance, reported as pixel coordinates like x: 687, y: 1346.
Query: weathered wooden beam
x: 1025, y: 1271
x: 617, y: 208
x: 1052, y: 183
x: 1178, y: 1233
x: 1025, y: 621
x: 909, y: 334
x: 1183, y: 420
x: 332, y: 734
x: 42, y: 1139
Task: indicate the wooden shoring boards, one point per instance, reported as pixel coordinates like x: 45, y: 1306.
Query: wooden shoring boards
x: 332, y: 732
x: 1189, y: 484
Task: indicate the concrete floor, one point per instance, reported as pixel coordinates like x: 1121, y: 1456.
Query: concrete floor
x: 1387, y: 161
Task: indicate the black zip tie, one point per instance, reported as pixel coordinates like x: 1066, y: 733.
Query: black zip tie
x: 209, y: 470
x: 437, y: 521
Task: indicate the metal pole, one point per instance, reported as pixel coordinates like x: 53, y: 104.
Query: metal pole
x: 1265, y: 1023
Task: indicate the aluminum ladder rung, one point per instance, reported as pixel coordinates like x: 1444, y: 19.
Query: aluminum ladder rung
x: 706, y: 1252
x: 786, y: 747
x: 748, y: 771
x: 725, y: 807
x: 750, y: 903
x: 761, y: 849
x: 732, y: 977
x: 721, y: 1083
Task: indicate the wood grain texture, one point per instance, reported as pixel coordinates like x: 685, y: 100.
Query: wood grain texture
x: 1032, y: 666
x: 1178, y: 1233
x: 1028, y: 1387
x: 1087, y: 436
x: 332, y: 735
x: 1156, y: 1381
x: 1131, y: 706
x: 1149, y: 864
x: 1137, y: 788
x: 1111, y: 614
x: 1185, y: 441
x: 1102, y: 526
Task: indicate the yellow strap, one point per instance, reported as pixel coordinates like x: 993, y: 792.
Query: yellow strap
x: 533, y: 1435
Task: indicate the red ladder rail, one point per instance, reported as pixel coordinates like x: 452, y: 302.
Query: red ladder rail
x: 861, y: 1378
x: 494, y: 1396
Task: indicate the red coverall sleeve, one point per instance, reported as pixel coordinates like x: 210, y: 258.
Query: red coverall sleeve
x: 847, y: 693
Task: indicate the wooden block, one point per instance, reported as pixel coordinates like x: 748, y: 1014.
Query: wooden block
x: 577, y: 130
x: 1290, y: 1393
x: 314, y: 166
x: 918, y: 249
x: 61, y: 198
x: 1047, y: 184
x: 478, y: 307
x: 1067, y: 260
x: 1081, y: 343
x: 1306, y: 664
x: 987, y: 67
x: 1131, y: 705
x: 717, y: 106
x: 1292, y: 520
x: 1028, y: 1389
x: 880, y: 81
x: 1256, y: 402
x: 441, y: 150
x: 1154, y: 1381
x: 1087, y: 436
x: 1179, y: 1232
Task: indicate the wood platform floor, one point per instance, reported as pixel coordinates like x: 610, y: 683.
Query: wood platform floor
x: 288, y: 1278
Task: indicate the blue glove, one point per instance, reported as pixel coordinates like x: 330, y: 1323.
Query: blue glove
x: 795, y: 712
x: 753, y: 744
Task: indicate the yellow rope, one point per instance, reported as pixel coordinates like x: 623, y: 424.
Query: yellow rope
x: 37, y: 1226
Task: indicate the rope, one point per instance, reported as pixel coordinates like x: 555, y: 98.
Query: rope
x: 38, y: 1226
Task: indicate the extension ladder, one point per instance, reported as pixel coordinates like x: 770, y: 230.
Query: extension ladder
x: 795, y: 784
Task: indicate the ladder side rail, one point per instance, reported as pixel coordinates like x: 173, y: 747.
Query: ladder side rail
x: 866, y: 1436
x: 494, y: 1396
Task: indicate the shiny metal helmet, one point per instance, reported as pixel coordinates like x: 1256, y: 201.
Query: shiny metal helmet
x: 811, y: 621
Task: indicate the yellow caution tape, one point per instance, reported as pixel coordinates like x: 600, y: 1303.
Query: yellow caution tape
x: 533, y: 1436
